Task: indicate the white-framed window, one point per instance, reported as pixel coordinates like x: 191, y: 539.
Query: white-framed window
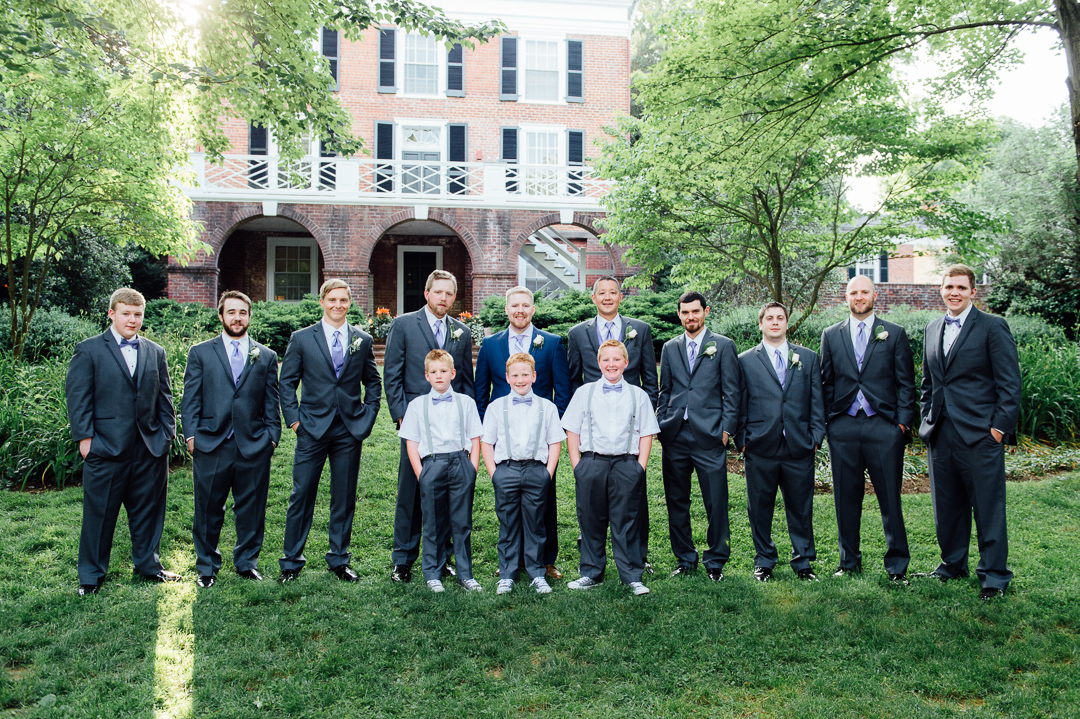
x: 420, y: 65
x: 292, y: 268
x: 541, y: 65
x: 540, y: 146
x: 876, y: 268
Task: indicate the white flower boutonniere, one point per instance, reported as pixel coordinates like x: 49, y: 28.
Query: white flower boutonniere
x: 631, y: 333
x: 881, y: 334
x: 794, y: 361
x: 455, y: 335
x: 538, y: 341
x: 253, y: 355
x: 709, y: 350
x: 355, y: 344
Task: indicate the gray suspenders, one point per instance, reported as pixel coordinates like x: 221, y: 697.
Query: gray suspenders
x: 427, y: 424
x: 588, y: 418
x: 506, y: 429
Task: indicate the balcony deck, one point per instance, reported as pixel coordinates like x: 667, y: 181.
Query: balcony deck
x: 364, y: 181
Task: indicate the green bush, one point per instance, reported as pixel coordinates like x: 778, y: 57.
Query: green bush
x: 186, y: 319
x: 1050, y: 398
x: 53, y: 333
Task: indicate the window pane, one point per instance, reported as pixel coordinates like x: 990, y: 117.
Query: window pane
x: 420, y: 69
x: 541, y: 70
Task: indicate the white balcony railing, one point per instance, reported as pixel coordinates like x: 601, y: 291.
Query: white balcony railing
x: 353, y: 180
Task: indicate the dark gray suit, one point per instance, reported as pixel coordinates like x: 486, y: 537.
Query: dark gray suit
x: 336, y: 414
x: 861, y: 443
x: 408, y: 341
x: 974, y: 388
x: 235, y: 428
x: 709, y: 396
x: 780, y: 428
x: 132, y: 423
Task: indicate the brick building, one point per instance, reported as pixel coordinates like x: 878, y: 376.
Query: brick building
x: 479, y: 164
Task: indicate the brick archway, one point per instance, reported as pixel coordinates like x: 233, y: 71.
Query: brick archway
x: 446, y: 219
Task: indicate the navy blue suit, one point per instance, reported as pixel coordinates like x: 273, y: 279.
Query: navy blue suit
x: 552, y: 383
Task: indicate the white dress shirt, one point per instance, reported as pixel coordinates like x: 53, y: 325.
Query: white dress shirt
x: 853, y: 328
x: 129, y: 353
x: 245, y: 345
x: 953, y: 331
x: 525, y: 335
x: 523, y: 420
x: 329, y: 330
x: 432, y: 320
x: 609, y: 418
x: 443, y: 434
x: 771, y: 352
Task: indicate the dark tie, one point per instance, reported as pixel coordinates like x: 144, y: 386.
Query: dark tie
x: 438, y: 333
x: 337, y: 352
x: 523, y: 400
x: 693, y: 354
x: 237, y: 362
x: 781, y: 370
x: 441, y: 398
x: 612, y: 388
x: 133, y: 342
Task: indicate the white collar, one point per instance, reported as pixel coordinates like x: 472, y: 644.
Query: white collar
x: 431, y: 318
x: 525, y: 332
x: 245, y: 342
x: 329, y: 329
x: 698, y: 339
x: 770, y: 350
x: 116, y: 335
x: 963, y: 315
x: 854, y: 326
x: 433, y: 394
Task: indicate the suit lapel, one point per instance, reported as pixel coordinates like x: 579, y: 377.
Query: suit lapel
x: 871, y: 343
x: 248, y: 364
x: 966, y: 330
x: 350, y: 337
x: 425, y: 329
x: 844, y: 331
x: 142, y: 357
x: 765, y: 360
x: 701, y: 357
x: 320, y: 340
x: 683, y: 362
x: 594, y: 341
x: 114, y: 350
x: 218, y: 348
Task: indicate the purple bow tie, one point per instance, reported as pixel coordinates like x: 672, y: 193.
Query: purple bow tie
x: 523, y: 400
x: 442, y: 398
x: 612, y: 388
x: 953, y: 321
x: 133, y: 342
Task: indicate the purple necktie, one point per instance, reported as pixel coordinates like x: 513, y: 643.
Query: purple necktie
x: 237, y: 362
x: 337, y: 353
x: 781, y: 370
x: 693, y: 354
x: 438, y: 333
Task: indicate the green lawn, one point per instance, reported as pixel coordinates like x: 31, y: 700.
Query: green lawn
x: 856, y: 647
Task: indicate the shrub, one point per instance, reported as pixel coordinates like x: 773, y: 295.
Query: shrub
x: 53, y: 333
x: 273, y: 323
x: 185, y: 319
x: 1050, y: 397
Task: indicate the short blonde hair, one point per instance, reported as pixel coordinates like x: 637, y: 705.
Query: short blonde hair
x: 438, y: 356
x: 521, y: 358
x: 334, y: 284
x: 519, y: 290
x: 439, y: 275
x: 127, y: 296
x: 612, y: 343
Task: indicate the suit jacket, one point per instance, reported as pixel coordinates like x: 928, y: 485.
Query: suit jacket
x: 307, y: 360
x: 408, y: 341
x: 105, y: 402
x: 712, y: 391
x: 978, y: 383
x: 552, y: 374
x: 771, y: 412
x: 887, y: 378
x: 212, y: 405
x: 582, y: 345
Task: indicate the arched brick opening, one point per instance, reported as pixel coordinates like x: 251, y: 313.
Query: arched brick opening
x: 404, y: 252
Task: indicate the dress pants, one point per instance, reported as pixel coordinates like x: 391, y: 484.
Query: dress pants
x: 139, y: 482
x: 408, y: 521
x: 446, y: 486
x: 609, y: 489
x: 215, y: 474
x: 795, y: 479
x: 343, y: 450
x: 680, y: 458
x: 964, y: 480
x: 868, y: 444
x: 521, y: 491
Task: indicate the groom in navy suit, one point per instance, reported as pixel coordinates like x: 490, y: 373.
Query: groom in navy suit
x: 552, y: 382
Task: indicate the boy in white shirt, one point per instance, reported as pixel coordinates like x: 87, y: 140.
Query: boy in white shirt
x: 442, y: 438
x: 521, y: 444
x: 610, y: 427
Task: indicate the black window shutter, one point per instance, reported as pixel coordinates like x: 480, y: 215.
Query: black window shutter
x: 575, y: 75
x: 330, y: 52
x: 258, y: 142
x: 458, y: 150
x: 575, y: 157
x: 384, y: 150
x: 387, y: 66
x: 455, y: 72
x: 883, y: 267
x: 510, y: 156
x: 851, y: 271
x: 509, y: 81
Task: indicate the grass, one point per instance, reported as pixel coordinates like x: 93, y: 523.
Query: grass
x: 855, y: 647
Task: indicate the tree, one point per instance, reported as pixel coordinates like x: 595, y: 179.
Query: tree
x: 95, y: 117
x: 757, y: 209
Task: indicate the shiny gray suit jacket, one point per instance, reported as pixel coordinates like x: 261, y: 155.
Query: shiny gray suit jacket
x: 712, y: 391
x: 407, y: 343
x: 771, y: 412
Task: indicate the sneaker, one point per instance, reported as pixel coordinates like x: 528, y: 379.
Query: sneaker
x: 436, y: 586
x: 583, y: 583
x: 540, y: 585
x: 471, y: 585
x: 505, y: 586
x: 639, y: 588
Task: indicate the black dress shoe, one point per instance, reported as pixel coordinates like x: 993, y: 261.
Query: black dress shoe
x: 989, y: 593
x: 682, y: 571
x: 251, y: 574
x: 647, y: 568
x: 345, y: 573
x: 806, y: 574
x: 401, y: 573
x: 847, y: 571
x: 763, y: 574
x: 205, y: 581
x: 715, y: 574
x: 448, y: 571
x: 85, y: 589
x: 163, y: 575
x: 289, y: 575
x: 900, y: 578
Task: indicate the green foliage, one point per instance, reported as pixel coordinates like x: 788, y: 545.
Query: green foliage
x: 273, y: 323
x: 1050, y: 398
x: 52, y: 334
x: 184, y: 319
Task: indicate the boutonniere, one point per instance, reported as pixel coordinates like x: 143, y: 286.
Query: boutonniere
x: 794, y: 361
x: 881, y: 334
x: 631, y: 333
x: 355, y: 344
x: 253, y: 355
x: 538, y: 341
x: 456, y: 334
x: 709, y: 350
